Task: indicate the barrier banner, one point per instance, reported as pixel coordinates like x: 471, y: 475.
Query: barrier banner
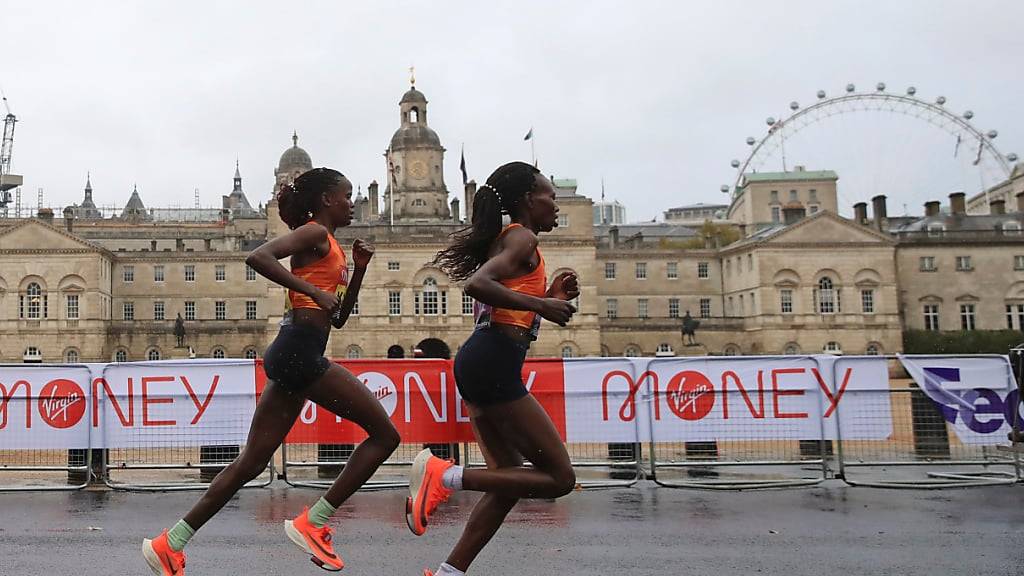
x: 43, y: 407
x: 976, y: 395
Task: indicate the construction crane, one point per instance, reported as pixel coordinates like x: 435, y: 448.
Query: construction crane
x: 8, y: 181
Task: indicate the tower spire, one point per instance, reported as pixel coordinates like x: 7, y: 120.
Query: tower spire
x: 295, y: 138
x: 412, y: 76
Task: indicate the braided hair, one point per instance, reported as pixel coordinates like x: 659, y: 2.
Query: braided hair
x: 505, y: 189
x: 298, y: 202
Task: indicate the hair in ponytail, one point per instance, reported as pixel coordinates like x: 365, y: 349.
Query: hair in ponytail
x: 299, y: 202
x: 505, y: 189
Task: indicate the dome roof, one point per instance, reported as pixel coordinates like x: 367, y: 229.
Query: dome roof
x: 414, y: 136
x: 295, y: 158
x: 413, y: 96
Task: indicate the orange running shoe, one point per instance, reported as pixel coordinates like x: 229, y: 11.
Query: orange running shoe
x: 162, y: 559
x: 427, y: 572
x: 425, y: 489
x: 314, y: 541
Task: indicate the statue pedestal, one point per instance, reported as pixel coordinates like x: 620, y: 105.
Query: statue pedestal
x: 181, y: 353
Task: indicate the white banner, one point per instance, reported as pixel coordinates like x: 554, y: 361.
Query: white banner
x: 44, y: 406
x: 976, y: 395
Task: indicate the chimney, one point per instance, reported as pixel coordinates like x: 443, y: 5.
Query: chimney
x: 880, y: 214
x: 1020, y: 201
x: 997, y: 206
x: 456, y: 216
x: 46, y: 215
x: 470, y: 193
x: 860, y: 212
x: 932, y: 208
x: 374, y: 204
x: 799, y: 168
x: 613, y: 236
x: 958, y: 203
x: 792, y: 213
x: 69, y: 218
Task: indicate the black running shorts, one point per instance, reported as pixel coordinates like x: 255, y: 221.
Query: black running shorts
x: 296, y: 357
x: 489, y: 368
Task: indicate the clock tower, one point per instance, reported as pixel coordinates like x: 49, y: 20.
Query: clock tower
x: 417, y: 160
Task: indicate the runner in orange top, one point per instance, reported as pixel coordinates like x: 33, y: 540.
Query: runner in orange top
x: 506, y: 276
x: 320, y: 294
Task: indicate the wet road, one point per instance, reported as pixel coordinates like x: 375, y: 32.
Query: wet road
x: 641, y: 531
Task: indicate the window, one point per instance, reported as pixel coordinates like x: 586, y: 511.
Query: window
x: 928, y: 264
x: 702, y: 270
x: 32, y: 304
x: 219, y: 273
x: 158, y: 273
x: 936, y: 230
x: 963, y: 264
x: 750, y: 262
x: 355, y: 309
x: 705, y: 307
x: 31, y: 353
x: 250, y: 353
x: 730, y: 309
x: 776, y: 215
x: 467, y: 304
x: 419, y: 201
x: 832, y: 348
x: 967, y: 316
x: 727, y: 268
x: 867, y: 301
x: 631, y: 352
x: 190, y: 272
x: 1011, y: 228
x: 931, y: 316
x: 873, y: 349
x: 609, y: 270
x: 568, y: 352
x: 394, y: 266
x: 791, y: 349
x: 71, y: 356
x: 641, y: 307
x: 743, y: 308
x: 121, y: 356
x: 72, y: 306
x: 158, y: 311
x: 220, y: 310
x: 563, y: 220
x: 1015, y: 311
x: 786, y: 301
x: 641, y: 270
x: 812, y: 195
x: 1018, y: 262
x: 813, y: 208
x: 774, y: 197
x: 250, y: 309
x: 190, y: 310
x: 612, y: 308
x: 430, y: 298
x: 250, y: 276
x: 128, y: 273
x: 664, y: 349
x: 793, y: 196
x: 128, y: 311
x: 394, y: 303
x: 672, y: 270
x: 153, y: 354
x: 354, y: 352
x: 218, y: 352
x: 826, y: 300
x: 673, y: 307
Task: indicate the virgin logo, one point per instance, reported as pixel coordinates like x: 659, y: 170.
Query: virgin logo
x: 690, y: 395
x: 62, y: 403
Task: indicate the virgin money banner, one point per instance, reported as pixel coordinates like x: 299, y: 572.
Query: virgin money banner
x: 975, y: 395
x: 172, y: 403
x: 44, y: 406
x: 703, y: 399
x: 421, y: 399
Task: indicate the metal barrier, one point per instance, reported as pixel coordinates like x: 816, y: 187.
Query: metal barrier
x: 46, y: 431
x: 743, y: 454
x: 922, y: 450
x: 138, y: 405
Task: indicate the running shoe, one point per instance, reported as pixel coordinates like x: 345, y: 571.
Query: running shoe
x: 314, y: 541
x: 162, y: 559
x: 425, y: 489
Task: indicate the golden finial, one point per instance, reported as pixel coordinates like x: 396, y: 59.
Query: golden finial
x: 412, y: 76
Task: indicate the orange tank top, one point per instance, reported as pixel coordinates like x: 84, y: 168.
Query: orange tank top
x: 329, y: 274
x: 533, y: 283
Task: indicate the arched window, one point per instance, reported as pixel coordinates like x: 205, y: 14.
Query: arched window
x: 121, y: 355
x: 827, y: 297
x: 218, y: 352
x: 873, y: 349
x: 250, y: 353
x: 631, y: 351
x: 354, y: 352
x: 832, y: 347
x: 791, y: 349
x: 568, y: 352
x: 1011, y: 228
x: 32, y: 304
x: 430, y: 296
x: 153, y: 354
x: 664, y: 349
x: 71, y: 356
x: 33, y: 354
x: 732, y: 350
x: 414, y: 115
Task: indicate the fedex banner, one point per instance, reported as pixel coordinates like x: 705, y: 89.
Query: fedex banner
x: 200, y: 402
x: 976, y: 396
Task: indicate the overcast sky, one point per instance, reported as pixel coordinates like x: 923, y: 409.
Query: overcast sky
x: 656, y: 98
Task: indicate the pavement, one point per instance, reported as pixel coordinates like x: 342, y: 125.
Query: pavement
x: 645, y: 530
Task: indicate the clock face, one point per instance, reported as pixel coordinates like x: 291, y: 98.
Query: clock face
x: 418, y: 170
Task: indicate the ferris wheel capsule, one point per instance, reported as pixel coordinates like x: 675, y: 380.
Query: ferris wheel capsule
x: 911, y: 91
x: 735, y: 163
x: 940, y: 100
x: 821, y: 94
x: 770, y: 121
x: 724, y: 188
x: 880, y: 86
x: 750, y: 141
x: 968, y: 114
x: 794, y: 106
x: 850, y: 87
x: 1012, y: 157
x: 992, y: 134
